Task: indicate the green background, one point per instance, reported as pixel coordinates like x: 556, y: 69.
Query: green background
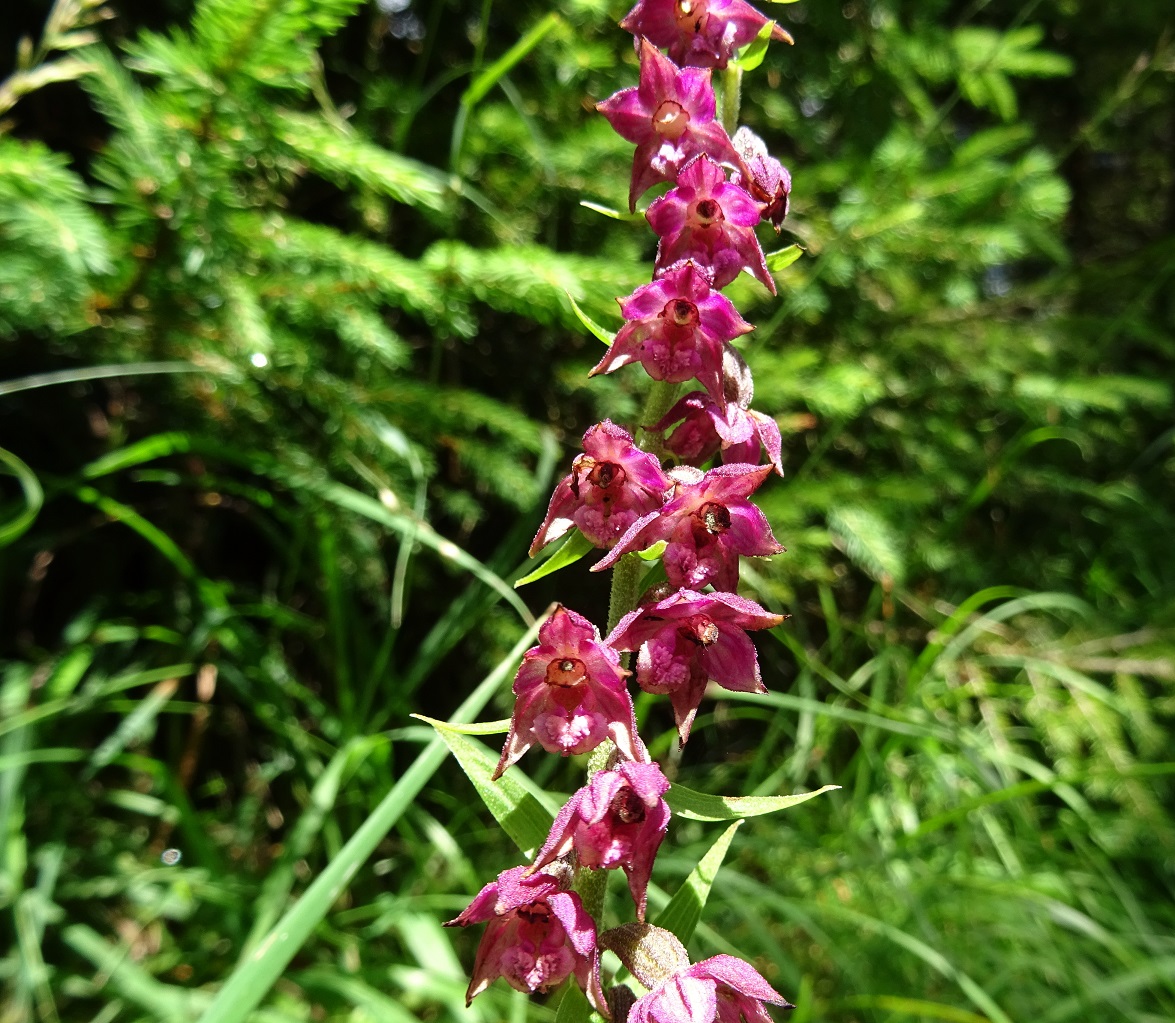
x: 337, y: 243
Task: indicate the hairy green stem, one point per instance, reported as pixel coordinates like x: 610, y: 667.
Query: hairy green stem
x: 626, y: 578
x: 592, y: 886
x: 732, y: 86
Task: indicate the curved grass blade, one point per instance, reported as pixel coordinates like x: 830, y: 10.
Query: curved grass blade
x: 699, y: 806
x: 959, y: 631
x: 248, y: 984
x: 133, y: 728
x: 684, y: 911
x: 115, y: 370
x: 162, y: 445
x: 1113, y: 989
x: 279, y: 882
x: 913, y: 1008
x: 491, y: 75
x: 128, y: 979
x: 34, y: 498
x: 932, y: 957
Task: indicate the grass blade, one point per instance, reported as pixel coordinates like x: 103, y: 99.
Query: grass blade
x: 490, y: 76
x: 34, y: 498
x: 248, y: 984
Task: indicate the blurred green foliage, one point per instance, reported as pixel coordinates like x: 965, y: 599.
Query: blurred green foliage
x: 288, y: 364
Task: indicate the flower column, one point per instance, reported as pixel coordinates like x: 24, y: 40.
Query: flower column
x: 571, y: 690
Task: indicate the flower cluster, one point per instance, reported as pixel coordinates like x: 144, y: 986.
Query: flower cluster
x: 690, y: 630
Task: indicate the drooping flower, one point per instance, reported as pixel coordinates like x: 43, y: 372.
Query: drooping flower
x: 617, y: 820
x: 669, y: 117
x: 611, y: 485
x: 711, y: 221
x: 721, y: 988
x: 570, y: 694
x: 677, y: 327
x: 763, y: 176
x: 699, y: 33
x: 741, y: 434
x: 538, y: 936
x: 689, y: 639
x: 706, y: 526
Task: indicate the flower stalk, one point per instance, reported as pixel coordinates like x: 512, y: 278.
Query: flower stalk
x: 639, y: 493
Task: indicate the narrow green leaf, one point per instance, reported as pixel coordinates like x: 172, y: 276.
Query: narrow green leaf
x: 699, y: 806
x: 500, y: 727
x: 491, y: 75
x: 572, y: 549
x: 34, y: 497
x: 684, y: 910
x: 913, y: 1007
x: 607, y: 211
x: 524, y: 811
x: 751, y: 55
x: 784, y: 258
x: 604, y: 335
x: 248, y: 984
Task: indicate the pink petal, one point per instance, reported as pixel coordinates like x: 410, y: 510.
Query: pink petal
x: 629, y: 117
x: 558, y: 520
x: 770, y: 437
x: 659, y: 74
x: 732, y: 662
x: 696, y: 93
x: 750, y: 532
x: 737, y: 975
x: 667, y: 215
x: 636, y: 534
x: 737, y: 205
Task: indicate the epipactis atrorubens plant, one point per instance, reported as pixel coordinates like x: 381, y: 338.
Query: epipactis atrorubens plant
x: 690, y: 629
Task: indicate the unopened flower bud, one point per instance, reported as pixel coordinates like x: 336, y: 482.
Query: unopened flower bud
x: 651, y: 954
